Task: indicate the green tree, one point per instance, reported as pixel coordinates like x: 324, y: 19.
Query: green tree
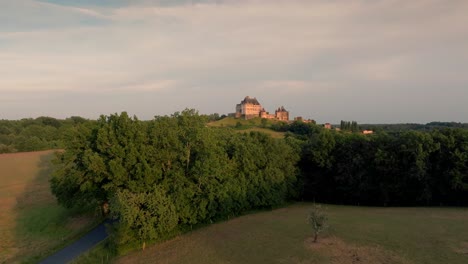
x: 145, y: 216
x: 99, y: 161
x: 318, y: 220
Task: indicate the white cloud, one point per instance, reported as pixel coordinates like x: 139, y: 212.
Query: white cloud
x: 297, y: 48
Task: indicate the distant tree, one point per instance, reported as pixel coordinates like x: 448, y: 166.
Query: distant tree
x: 49, y: 121
x: 77, y: 119
x: 264, y: 122
x: 6, y: 149
x: 318, y: 220
x: 213, y: 117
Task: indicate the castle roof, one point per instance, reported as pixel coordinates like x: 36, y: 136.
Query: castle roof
x: 250, y: 100
x: 281, y: 109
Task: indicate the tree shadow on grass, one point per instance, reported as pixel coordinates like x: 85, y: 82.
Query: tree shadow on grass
x: 43, y: 226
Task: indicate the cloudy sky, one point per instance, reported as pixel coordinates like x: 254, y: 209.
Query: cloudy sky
x: 367, y: 60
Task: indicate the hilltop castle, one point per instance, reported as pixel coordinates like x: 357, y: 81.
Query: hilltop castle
x: 251, y: 108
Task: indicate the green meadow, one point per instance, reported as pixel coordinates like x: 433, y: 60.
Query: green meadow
x: 355, y: 235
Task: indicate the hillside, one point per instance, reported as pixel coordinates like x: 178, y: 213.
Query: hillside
x: 242, y: 125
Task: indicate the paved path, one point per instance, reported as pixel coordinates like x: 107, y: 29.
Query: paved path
x: 80, y: 246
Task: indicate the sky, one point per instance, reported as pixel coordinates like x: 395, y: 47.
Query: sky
x: 372, y: 61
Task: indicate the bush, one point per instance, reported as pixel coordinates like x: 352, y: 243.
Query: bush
x: 318, y: 220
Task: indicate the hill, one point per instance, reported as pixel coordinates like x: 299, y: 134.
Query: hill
x: 32, y: 224
x: 242, y: 125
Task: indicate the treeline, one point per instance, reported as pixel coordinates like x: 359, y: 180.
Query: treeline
x: 418, y: 127
x: 349, y: 126
x: 41, y: 133
x: 166, y: 175
x: 297, y: 127
x: 408, y: 168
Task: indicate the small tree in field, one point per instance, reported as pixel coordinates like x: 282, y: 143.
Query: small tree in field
x: 318, y: 220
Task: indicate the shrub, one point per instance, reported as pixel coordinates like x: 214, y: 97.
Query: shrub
x: 318, y: 220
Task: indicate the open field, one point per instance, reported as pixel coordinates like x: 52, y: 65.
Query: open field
x: 231, y: 122
x: 248, y: 125
x: 356, y: 235
x: 272, y: 133
x: 31, y: 222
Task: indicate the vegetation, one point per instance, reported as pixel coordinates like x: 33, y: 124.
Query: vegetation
x: 356, y: 235
x: 162, y: 177
x: 169, y: 174
x: 318, y: 220
x: 390, y: 128
x: 349, y: 126
x: 245, y: 124
x: 42, y: 133
x: 409, y: 168
x: 32, y: 224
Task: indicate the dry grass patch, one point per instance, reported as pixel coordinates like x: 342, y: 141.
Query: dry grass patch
x: 31, y: 222
x: 340, y: 252
x: 462, y: 249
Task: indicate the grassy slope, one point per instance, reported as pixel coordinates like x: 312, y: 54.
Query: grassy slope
x: 31, y: 222
x: 356, y: 235
x: 254, y: 124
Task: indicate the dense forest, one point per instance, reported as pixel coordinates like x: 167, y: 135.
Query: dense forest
x: 418, y: 127
x: 408, y: 168
x: 36, y: 134
x: 169, y: 174
x: 166, y: 175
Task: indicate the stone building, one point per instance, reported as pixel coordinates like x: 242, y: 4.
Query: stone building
x: 251, y: 108
x: 265, y: 114
x: 282, y: 114
x: 248, y: 108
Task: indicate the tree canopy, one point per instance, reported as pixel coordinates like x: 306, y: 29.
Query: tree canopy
x: 172, y: 172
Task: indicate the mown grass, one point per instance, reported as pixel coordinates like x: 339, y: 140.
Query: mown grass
x: 32, y: 224
x: 356, y: 235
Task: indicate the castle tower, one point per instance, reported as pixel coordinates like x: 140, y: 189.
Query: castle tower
x: 282, y: 114
x: 248, y: 108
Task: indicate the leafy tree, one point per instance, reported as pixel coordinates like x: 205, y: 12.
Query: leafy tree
x: 99, y: 161
x: 318, y: 220
x: 145, y: 216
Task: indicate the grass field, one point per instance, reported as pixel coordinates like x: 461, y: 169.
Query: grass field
x: 32, y: 225
x: 231, y: 122
x: 356, y: 235
x: 254, y: 124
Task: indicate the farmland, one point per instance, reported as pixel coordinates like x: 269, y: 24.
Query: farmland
x: 32, y: 224
x: 355, y: 235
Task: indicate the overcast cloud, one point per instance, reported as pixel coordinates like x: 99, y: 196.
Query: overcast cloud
x: 371, y: 61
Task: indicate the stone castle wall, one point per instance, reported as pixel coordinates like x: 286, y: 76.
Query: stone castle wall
x: 251, y: 108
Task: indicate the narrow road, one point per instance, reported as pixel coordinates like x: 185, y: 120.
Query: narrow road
x: 80, y: 246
